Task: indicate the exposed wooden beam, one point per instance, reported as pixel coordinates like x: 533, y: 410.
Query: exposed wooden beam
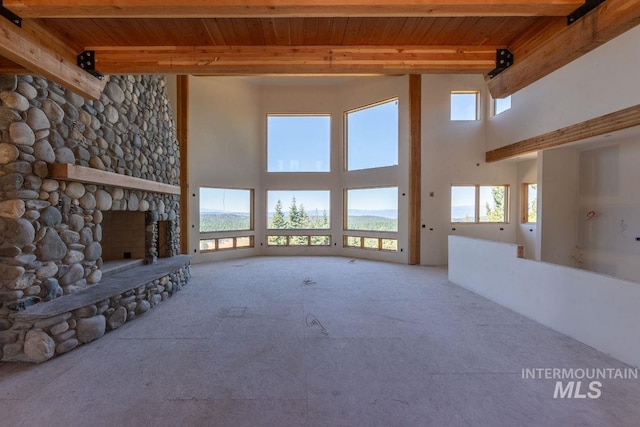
x: 558, y: 44
x: 243, y: 60
x: 69, y: 172
x: 622, y: 119
x: 286, y: 8
x: 415, y: 166
x: 10, y: 67
x: 40, y: 52
x: 182, y: 124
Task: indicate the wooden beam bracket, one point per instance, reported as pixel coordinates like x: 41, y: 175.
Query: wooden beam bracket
x: 15, y: 19
x: 87, y: 61
x: 504, y: 60
x: 587, y: 7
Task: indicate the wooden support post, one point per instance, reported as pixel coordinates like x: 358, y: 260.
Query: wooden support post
x: 415, y: 166
x: 183, y: 138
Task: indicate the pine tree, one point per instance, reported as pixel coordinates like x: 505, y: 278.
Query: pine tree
x: 295, y: 220
x: 278, y: 221
x: 325, y: 219
x: 304, y: 217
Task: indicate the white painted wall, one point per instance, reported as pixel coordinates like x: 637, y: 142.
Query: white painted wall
x: 453, y: 153
x: 602, y: 81
x: 598, y: 310
x: 223, y: 146
x: 526, y: 232
x: 557, y: 206
x: 609, y: 177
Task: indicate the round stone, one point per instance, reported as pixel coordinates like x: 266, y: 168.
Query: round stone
x: 8, y: 82
x: 41, y: 169
x: 8, y: 153
x: 113, y: 91
x: 20, y: 133
x: 76, y: 222
x: 50, y: 185
x: 65, y: 155
x: 25, y: 281
x: 92, y: 252
x: 12, y: 208
x: 117, y: 318
x: 37, y: 119
x: 111, y: 114
x: 73, y: 275
x: 51, y: 247
x: 75, y: 100
x: 91, y: 328
x: 73, y: 257
x: 42, y: 150
x: 52, y: 110
x: 50, y: 216
x: 67, y: 345
x: 14, y: 100
x: 11, y: 272
x: 52, y: 289
x: 97, y: 163
x: 95, y: 277
x: 48, y: 269
x: 133, y: 202
x: 142, y: 307
x: 103, y: 200
x: 75, y: 190
x: 143, y: 206
x: 86, y: 236
x: 69, y: 237
x: 39, y: 346
x: 27, y: 90
x: 117, y: 193
x: 16, y: 232
x: 88, y: 201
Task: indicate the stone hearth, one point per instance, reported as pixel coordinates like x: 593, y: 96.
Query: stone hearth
x: 53, y: 226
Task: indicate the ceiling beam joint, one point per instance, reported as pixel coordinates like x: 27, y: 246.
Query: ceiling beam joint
x: 587, y: 7
x: 504, y: 60
x: 12, y: 17
x: 87, y: 61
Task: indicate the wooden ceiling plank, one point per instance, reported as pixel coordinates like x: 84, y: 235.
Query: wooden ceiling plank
x: 286, y: 8
x: 243, y: 60
x: 557, y: 48
x: 34, y: 48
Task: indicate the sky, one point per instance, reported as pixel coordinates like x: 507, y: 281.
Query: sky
x: 372, y: 137
x: 464, y: 106
x: 226, y: 200
x: 299, y: 143
x: 312, y: 200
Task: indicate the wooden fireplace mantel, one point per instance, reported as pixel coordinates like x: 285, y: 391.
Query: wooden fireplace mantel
x: 69, y: 172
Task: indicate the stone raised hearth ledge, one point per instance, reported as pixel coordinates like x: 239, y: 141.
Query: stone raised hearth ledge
x: 60, y: 325
x: 69, y: 172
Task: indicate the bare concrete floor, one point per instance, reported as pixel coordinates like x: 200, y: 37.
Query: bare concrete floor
x: 243, y: 345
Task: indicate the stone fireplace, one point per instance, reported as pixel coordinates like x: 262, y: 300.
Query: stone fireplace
x: 84, y: 184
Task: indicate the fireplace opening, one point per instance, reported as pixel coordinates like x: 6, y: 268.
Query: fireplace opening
x: 123, y: 240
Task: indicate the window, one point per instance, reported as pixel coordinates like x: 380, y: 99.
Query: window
x: 372, y: 136
x: 298, y: 209
x: 374, y: 243
x: 298, y: 143
x: 480, y: 204
x: 500, y: 105
x: 298, y: 240
x: 372, y: 209
x: 225, y: 209
x: 225, y: 216
x: 464, y: 105
x: 529, y: 203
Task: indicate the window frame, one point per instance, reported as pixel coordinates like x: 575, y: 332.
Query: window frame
x: 329, y: 115
x: 507, y: 205
x: 346, y: 134
x: 477, y: 105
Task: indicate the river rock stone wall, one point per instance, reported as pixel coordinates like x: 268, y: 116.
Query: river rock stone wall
x: 50, y: 230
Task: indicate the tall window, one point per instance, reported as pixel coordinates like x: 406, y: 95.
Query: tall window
x: 372, y: 136
x: 529, y: 203
x: 464, y: 105
x: 372, y: 209
x: 479, y: 203
x: 298, y: 143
